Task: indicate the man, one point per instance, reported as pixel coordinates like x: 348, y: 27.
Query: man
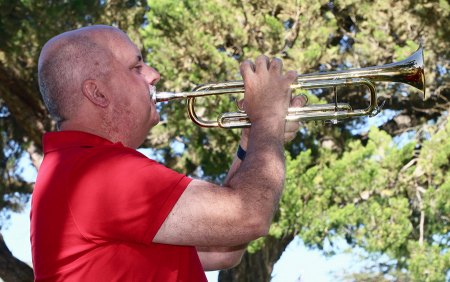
x: 102, y: 211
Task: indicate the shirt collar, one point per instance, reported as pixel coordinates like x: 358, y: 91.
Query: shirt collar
x: 53, y: 141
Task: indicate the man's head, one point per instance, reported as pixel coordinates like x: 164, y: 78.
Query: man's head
x: 94, y: 79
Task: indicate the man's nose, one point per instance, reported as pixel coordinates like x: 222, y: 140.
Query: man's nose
x: 152, y: 76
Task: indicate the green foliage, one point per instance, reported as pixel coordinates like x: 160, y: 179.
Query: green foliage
x: 374, y: 196
x: 428, y: 262
x: 14, y: 190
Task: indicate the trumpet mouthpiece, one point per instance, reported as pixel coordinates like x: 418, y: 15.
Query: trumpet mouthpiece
x: 152, y: 93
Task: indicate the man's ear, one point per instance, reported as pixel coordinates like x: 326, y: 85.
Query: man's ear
x: 92, y: 92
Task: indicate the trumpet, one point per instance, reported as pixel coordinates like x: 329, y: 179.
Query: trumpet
x: 408, y: 71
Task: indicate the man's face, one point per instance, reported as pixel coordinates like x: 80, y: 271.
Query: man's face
x: 129, y: 82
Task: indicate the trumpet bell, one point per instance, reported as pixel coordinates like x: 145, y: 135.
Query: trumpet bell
x: 408, y: 71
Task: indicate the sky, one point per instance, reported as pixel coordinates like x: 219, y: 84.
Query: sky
x: 297, y: 264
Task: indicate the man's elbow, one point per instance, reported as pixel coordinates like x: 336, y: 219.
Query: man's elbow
x: 232, y: 262
x: 258, y: 226
x: 225, y: 262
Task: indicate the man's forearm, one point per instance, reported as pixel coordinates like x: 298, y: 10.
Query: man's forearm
x: 259, y: 179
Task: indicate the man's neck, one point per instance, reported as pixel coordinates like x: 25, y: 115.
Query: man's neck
x: 76, y: 126
x: 99, y: 130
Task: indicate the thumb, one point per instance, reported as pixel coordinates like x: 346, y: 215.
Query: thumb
x: 299, y: 101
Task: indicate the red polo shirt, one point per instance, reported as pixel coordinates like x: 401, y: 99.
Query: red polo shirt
x: 96, y: 208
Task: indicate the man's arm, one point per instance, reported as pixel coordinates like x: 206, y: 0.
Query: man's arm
x: 214, y: 258
x: 210, y: 215
x: 217, y: 258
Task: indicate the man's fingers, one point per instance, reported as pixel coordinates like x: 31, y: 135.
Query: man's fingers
x: 262, y: 63
x: 247, y: 67
x: 290, y: 130
x: 299, y: 101
x: 288, y: 137
x: 276, y: 65
x: 241, y: 104
x: 291, y: 76
x: 291, y: 126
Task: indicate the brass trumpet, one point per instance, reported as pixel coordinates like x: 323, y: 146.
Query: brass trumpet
x: 409, y: 71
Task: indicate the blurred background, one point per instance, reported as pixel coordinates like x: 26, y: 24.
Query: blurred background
x: 367, y: 191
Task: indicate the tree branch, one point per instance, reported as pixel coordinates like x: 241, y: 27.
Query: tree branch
x: 12, y: 269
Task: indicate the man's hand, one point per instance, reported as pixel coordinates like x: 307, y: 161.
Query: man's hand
x: 267, y: 89
x: 290, y: 129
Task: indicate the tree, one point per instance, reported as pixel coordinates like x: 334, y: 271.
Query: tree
x: 401, y: 188
x: 195, y: 42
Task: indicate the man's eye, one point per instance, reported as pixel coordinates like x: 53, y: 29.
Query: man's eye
x: 138, y: 68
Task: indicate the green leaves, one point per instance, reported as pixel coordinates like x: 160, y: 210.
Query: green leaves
x: 428, y: 262
x: 371, y: 195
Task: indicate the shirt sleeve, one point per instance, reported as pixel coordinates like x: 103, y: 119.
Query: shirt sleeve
x: 119, y: 194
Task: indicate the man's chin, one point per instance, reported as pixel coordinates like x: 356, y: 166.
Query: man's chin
x: 154, y: 121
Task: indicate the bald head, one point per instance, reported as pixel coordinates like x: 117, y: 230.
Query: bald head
x: 69, y: 59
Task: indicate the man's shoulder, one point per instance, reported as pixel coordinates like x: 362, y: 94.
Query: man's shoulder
x: 114, y: 154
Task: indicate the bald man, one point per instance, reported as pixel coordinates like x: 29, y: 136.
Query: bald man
x: 103, y: 211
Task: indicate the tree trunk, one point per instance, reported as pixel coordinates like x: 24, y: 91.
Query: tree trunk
x: 259, y: 265
x: 12, y: 269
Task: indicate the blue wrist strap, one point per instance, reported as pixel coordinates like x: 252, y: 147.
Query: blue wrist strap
x: 241, y: 153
